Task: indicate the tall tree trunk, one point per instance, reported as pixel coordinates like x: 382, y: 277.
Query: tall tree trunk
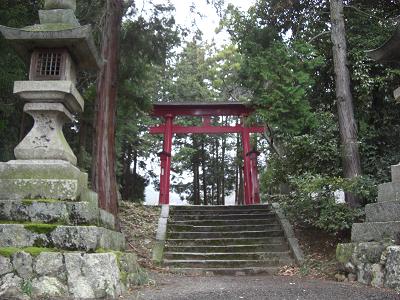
x: 203, y: 167
x: 347, y: 123
x: 196, y: 175
x: 103, y: 171
x: 223, y: 164
x: 218, y: 172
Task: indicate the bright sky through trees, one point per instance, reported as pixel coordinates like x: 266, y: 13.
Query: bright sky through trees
x: 204, y: 15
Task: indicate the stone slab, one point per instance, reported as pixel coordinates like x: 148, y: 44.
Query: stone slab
x: 395, y: 171
x: 61, y: 212
x: 78, y: 40
x: 51, y: 91
x: 383, y: 211
x: 65, y: 16
x: 60, y: 4
x: 45, y: 179
x: 392, y: 277
x: 389, y: 192
x: 374, y: 231
x: 60, y: 189
x: 396, y: 94
x: 74, y: 238
x: 73, y: 275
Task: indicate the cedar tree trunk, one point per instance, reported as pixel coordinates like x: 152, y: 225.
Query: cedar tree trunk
x: 347, y: 123
x: 103, y: 170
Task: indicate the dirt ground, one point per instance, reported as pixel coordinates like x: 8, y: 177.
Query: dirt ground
x: 175, y: 287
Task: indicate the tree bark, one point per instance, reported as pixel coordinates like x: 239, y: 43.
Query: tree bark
x: 196, y: 175
x: 103, y: 171
x: 344, y: 99
x: 203, y: 166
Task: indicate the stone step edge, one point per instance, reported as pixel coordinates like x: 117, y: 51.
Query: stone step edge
x: 227, y: 270
x: 234, y: 245
x: 225, y: 215
x: 172, y: 261
x: 225, y: 232
x: 227, y: 253
x: 223, y: 226
x: 219, y: 220
x: 234, y: 239
x: 218, y: 206
x: 220, y: 212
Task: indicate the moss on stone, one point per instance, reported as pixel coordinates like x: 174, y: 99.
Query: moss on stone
x: 34, y: 251
x: 32, y: 201
x: 8, y: 251
x: 50, y: 27
x: 344, y: 252
x: 40, y: 227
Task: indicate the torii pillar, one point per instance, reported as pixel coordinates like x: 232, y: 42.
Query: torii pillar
x: 165, y: 157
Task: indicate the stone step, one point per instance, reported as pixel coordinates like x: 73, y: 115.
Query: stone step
x: 223, y: 228
x: 249, y: 221
x: 228, y: 211
x: 374, y: 231
x: 228, y: 234
x: 176, y: 263
x: 227, y: 271
x: 225, y: 241
x: 60, y: 212
x: 226, y: 256
x: 223, y: 217
x: 389, y: 192
x: 219, y: 207
x: 383, y: 211
x: 75, y: 238
x: 279, y: 247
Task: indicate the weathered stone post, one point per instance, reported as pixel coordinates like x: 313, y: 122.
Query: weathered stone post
x: 46, y: 207
x: 373, y: 256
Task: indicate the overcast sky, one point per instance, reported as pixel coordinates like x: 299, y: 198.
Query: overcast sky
x: 209, y: 20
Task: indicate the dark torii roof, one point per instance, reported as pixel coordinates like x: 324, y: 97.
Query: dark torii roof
x: 389, y: 51
x: 201, y: 109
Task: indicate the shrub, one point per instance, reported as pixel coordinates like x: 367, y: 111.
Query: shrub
x: 312, y: 201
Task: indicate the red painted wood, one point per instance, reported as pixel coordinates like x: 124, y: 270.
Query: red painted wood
x: 205, y: 110
x: 201, y: 109
x: 206, y: 129
x: 166, y: 161
x: 247, y: 167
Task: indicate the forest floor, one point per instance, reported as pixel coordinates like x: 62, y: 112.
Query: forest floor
x: 139, y: 224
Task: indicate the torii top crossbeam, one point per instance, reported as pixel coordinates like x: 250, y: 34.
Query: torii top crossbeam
x: 201, y: 109
x: 169, y: 111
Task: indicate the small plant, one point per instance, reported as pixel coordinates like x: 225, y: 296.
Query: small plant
x: 26, y: 287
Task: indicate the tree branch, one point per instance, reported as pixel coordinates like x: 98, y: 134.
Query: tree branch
x: 318, y: 35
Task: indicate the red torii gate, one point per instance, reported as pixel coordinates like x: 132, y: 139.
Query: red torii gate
x: 169, y: 111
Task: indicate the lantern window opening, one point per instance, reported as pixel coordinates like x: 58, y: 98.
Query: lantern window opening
x: 48, y: 64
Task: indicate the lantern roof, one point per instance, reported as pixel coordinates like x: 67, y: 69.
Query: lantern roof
x: 77, y: 39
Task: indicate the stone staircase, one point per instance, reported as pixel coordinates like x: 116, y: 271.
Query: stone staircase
x: 225, y: 240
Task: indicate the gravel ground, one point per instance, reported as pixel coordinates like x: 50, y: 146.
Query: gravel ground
x: 256, y: 287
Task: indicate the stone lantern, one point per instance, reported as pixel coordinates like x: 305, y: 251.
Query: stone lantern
x: 54, y: 49
x: 45, y: 201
